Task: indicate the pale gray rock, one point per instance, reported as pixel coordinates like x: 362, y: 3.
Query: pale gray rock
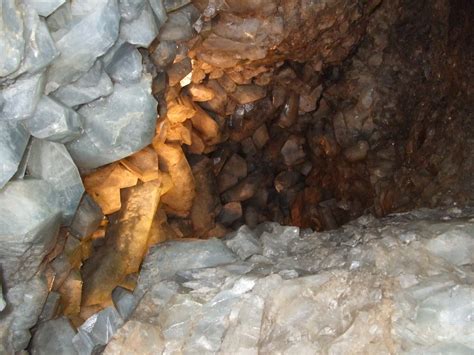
x: 89, y: 87
x: 142, y: 30
x: 166, y: 259
x: 50, y: 307
x: 125, y: 301
x: 13, y: 141
x: 131, y: 9
x: 25, y: 301
x: 12, y: 43
x: 97, y: 331
x: 45, y: 7
x: 401, y: 285
x: 20, y: 98
x: 159, y: 11
x: 87, y: 218
x: 87, y: 40
x: 244, y: 243
x: 126, y: 65
x: 30, y: 216
x: 51, y: 162
x: 116, y: 126
x: 173, y: 5
x: 40, y: 49
x: 53, y: 337
x: 54, y: 121
x: 60, y: 21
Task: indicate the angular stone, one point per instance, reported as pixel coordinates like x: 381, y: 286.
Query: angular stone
x: 13, y: 141
x: 207, y: 127
x: 131, y: 9
x: 178, y: 112
x: 126, y: 244
x: 159, y: 11
x: 116, y: 126
x: 19, y: 99
x: 179, y: 24
x: 45, y: 8
x: 164, y: 54
x: 166, y: 259
x: 142, y: 30
x: 94, y: 84
x: 200, y: 93
x: 244, y: 190
x: 292, y: 151
x: 97, y: 331
x: 50, y: 307
x: 261, y: 136
x: 11, y: 38
x: 29, y: 221
x: 78, y: 56
x: 178, y: 71
x: 53, y: 337
x: 136, y: 338
x: 71, y: 294
x: 40, y: 49
x: 125, y: 302
x: 126, y: 65
x: 244, y: 243
x: 87, y: 218
x: 104, y: 186
x: 234, y: 169
x: 54, y: 122
x: 144, y: 164
x: 179, y: 198
x: 245, y: 94
x: 357, y: 152
x: 51, y: 162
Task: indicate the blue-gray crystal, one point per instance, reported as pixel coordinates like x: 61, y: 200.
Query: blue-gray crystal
x: 131, y: 9
x: 116, y: 126
x: 45, y: 7
x: 142, y: 30
x: 126, y: 65
x: 53, y: 337
x: 87, y: 219
x: 21, y: 97
x: 12, y: 43
x: 40, y: 49
x: 13, y: 140
x: 52, y: 162
x: 92, y: 85
x: 87, y: 40
x: 29, y: 221
x: 54, y: 121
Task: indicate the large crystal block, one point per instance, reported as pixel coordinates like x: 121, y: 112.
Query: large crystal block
x: 131, y: 9
x: 142, y: 30
x: 29, y: 220
x: 21, y: 97
x: 54, y: 121
x: 12, y: 43
x: 87, y: 218
x: 51, y: 162
x: 45, y: 7
x: 116, y: 126
x: 13, y: 140
x: 53, y: 337
x: 40, y: 49
x: 126, y: 65
x: 87, y: 40
x: 92, y: 85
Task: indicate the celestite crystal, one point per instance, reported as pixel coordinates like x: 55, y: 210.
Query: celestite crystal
x: 11, y: 37
x: 126, y: 65
x: 87, y: 40
x: 142, y: 30
x: 13, y: 140
x: 51, y: 161
x: 116, y: 126
x: 54, y: 121
x: 92, y: 85
x: 53, y: 337
x: 30, y: 216
x: 45, y: 7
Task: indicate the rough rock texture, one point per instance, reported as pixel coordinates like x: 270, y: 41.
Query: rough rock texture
x: 374, y: 286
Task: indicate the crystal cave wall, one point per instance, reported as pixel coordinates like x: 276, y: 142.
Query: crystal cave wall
x: 125, y: 124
